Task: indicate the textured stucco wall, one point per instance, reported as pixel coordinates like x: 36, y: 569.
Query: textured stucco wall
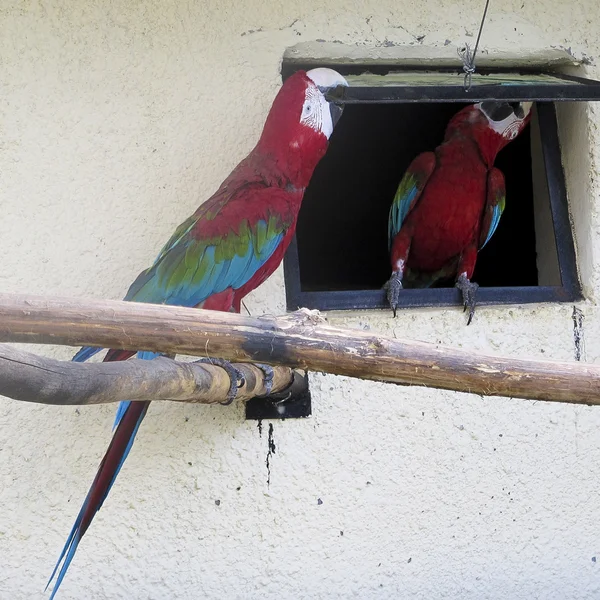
x: 117, y: 119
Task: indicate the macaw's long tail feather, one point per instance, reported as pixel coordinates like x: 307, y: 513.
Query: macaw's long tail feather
x: 109, y: 468
x: 128, y: 419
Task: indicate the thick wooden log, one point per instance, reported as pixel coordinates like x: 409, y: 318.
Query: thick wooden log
x: 31, y: 378
x: 298, y: 340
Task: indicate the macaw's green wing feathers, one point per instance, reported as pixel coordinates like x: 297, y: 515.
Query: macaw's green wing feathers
x: 408, y: 192
x: 181, y: 232
x: 194, y: 265
x: 496, y: 199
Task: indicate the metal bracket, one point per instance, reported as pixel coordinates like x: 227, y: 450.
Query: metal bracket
x: 294, y: 402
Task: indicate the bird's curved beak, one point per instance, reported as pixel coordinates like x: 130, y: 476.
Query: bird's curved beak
x: 497, y: 110
x: 336, y: 111
x: 333, y: 94
x: 331, y: 85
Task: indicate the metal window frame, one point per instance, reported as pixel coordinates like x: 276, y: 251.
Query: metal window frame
x: 544, y: 96
x: 586, y: 90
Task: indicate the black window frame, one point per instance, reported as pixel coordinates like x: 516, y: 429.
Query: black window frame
x: 545, y: 95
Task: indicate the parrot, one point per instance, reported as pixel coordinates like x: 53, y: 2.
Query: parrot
x: 449, y: 202
x: 232, y: 243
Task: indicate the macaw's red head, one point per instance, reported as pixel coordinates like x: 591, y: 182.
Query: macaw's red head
x: 299, y: 124
x: 492, y: 124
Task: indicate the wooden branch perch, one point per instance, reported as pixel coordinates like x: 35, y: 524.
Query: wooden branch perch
x: 298, y: 340
x: 25, y: 376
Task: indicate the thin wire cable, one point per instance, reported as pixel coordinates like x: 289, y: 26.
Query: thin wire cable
x: 468, y: 57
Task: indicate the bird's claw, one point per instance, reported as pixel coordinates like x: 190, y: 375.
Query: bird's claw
x: 393, y: 287
x: 235, y: 375
x: 469, y: 291
x: 268, y: 380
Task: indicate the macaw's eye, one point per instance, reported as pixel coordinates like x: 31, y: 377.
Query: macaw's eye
x: 309, y: 111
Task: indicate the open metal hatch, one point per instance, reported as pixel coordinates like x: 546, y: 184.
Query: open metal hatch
x: 448, y: 86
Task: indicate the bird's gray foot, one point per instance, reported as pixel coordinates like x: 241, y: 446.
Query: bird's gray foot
x: 469, y: 291
x: 269, y: 375
x: 393, y: 287
x: 237, y: 377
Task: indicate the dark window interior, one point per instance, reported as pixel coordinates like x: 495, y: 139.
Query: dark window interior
x: 342, y: 227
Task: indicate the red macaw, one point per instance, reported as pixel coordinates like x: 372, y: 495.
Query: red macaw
x: 228, y: 247
x: 449, y: 202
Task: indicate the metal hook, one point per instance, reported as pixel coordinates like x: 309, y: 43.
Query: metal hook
x: 467, y: 57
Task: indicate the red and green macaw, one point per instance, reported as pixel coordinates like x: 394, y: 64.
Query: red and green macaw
x: 227, y: 248
x: 449, y: 202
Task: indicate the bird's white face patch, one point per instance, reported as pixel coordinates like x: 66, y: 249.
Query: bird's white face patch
x: 510, y: 126
x: 315, y: 112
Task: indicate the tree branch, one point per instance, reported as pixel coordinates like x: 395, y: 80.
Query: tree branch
x: 298, y: 340
x: 25, y: 376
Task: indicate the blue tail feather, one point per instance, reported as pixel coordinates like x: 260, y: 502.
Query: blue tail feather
x: 85, y: 353
x: 70, y: 547
x: 68, y: 543
x: 69, y: 550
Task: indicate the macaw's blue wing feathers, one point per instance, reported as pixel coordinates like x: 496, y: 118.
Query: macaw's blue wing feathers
x: 109, y: 469
x: 195, y: 268
x: 496, y: 200
x: 408, y: 192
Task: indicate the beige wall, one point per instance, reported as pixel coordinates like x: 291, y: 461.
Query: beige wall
x: 117, y: 119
